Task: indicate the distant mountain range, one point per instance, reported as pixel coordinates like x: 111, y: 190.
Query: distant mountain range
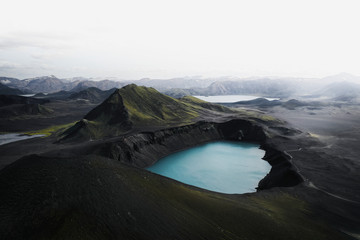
x: 339, y: 87
x: 262, y: 87
x: 51, y: 84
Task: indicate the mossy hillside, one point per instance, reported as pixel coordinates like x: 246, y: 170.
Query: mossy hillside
x: 148, y: 106
x: 256, y: 115
x: 141, y: 106
x: 89, y: 130
x: 203, y: 104
x: 114, y: 201
x: 133, y: 106
x: 56, y: 129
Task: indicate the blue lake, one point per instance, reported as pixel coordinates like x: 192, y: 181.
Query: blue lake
x: 231, y: 98
x: 223, y: 166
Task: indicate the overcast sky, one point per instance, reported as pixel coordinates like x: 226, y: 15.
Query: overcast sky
x: 171, y: 38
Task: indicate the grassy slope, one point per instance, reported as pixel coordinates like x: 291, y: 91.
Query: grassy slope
x: 58, y: 129
x: 113, y: 201
x: 148, y: 106
x: 203, y: 104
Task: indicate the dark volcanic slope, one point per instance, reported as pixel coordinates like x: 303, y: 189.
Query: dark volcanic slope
x: 12, y: 106
x: 6, y: 100
x: 62, y: 112
x: 98, y: 198
x: 5, y: 90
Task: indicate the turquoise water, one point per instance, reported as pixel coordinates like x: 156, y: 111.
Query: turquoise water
x: 227, y: 167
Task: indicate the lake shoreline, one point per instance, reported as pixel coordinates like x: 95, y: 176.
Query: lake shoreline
x: 7, y: 138
x: 200, y: 165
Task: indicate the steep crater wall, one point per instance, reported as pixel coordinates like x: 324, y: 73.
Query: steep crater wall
x: 144, y: 149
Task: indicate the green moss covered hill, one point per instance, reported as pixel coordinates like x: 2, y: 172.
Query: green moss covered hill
x: 134, y: 106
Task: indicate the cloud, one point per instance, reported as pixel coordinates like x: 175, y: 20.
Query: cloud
x: 22, y: 70
x: 8, y: 68
x: 34, y: 39
x: 45, y: 55
x: 5, y: 65
x: 133, y: 39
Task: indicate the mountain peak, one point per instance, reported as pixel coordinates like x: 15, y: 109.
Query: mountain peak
x: 148, y: 106
x: 138, y: 106
x: 43, y: 77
